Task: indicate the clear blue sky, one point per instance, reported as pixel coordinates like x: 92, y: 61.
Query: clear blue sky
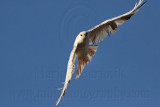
x: 36, y: 37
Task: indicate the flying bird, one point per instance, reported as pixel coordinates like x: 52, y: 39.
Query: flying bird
x: 84, y: 48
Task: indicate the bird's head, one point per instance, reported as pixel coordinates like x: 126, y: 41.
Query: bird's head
x: 81, y: 38
x: 82, y: 34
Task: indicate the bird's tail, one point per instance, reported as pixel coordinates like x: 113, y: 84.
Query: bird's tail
x: 83, y: 62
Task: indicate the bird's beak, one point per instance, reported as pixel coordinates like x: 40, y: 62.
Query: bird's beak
x: 86, y: 34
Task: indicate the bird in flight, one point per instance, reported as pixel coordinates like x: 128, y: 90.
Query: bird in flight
x: 84, y: 49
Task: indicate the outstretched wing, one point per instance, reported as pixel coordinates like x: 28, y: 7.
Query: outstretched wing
x: 100, y: 32
x: 70, y: 71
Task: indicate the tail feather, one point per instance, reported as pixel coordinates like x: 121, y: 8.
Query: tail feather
x: 83, y: 62
x: 81, y: 65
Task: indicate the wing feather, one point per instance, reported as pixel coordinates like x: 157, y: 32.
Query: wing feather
x: 100, y: 32
x: 70, y: 71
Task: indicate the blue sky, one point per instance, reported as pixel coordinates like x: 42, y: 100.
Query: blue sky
x: 36, y: 37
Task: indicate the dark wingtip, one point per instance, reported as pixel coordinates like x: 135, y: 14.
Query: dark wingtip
x: 142, y: 4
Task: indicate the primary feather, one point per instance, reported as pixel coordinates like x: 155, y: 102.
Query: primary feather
x: 100, y: 32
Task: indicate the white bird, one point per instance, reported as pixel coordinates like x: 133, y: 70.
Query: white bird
x: 83, y: 49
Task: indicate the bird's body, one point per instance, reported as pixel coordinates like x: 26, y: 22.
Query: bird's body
x: 84, y: 51
x: 82, y: 46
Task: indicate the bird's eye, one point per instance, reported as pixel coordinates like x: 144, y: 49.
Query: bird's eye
x: 81, y: 34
